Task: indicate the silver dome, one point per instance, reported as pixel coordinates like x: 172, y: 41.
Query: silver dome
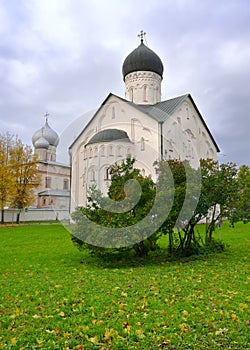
x: 48, y: 134
x: 41, y: 143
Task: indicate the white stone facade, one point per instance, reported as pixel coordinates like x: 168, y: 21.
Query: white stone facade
x: 182, y: 135
x: 46, y: 155
x: 186, y: 137
x: 53, y: 190
x: 143, y: 87
x: 54, y: 186
x: 155, y: 130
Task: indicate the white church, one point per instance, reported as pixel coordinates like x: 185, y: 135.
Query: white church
x: 53, y: 191
x: 140, y: 125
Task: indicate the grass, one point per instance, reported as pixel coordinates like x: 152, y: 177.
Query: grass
x: 55, y: 297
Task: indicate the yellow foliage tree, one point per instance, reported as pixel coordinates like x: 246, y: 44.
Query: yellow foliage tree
x: 7, y: 180
x: 24, y: 167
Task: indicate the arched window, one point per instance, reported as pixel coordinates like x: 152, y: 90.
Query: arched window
x: 142, y: 144
x: 113, y: 112
x: 157, y: 94
x: 66, y: 184
x: 106, y: 174
x: 119, y: 151
x: 145, y: 93
x: 131, y: 94
x: 102, y: 151
x: 83, y: 178
x: 90, y: 153
x: 48, y: 182
x: 85, y: 154
x: 92, y: 175
x: 111, y: 153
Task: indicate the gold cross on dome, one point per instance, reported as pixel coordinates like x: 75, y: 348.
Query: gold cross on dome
x: 141, y: 35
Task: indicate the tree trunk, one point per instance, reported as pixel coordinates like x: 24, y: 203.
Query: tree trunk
x: 18, y: 217
x: 2, y: 216
x: 170, y: 242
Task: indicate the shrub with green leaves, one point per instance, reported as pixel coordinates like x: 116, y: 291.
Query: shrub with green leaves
x: 184, y: 197
x: 121, y: 209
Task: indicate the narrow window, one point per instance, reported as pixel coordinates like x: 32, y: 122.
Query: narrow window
x: 142, y: 144
x: 157, y: 95
x: 85, y: 154
x: 111, y: 151
x: 47, y: 182
x: 92, y: 175
x: 106, y: 174
x: 119, y: 151
x: 113, y: 112
x: 90, y: 153
x: 102, y: 151
x: 131, y: 94
x: 145, y: 93
x: 65, y: 184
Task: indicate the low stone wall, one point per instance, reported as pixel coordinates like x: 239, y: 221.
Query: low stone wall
x: 36, y: 215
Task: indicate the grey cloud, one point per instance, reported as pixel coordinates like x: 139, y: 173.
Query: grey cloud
x: 70, y: 67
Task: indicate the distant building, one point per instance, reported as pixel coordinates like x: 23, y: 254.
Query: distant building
x: 54, y: 188
x: 141, y: 125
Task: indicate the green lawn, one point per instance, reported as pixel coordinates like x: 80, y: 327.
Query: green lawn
x: 54, y: 297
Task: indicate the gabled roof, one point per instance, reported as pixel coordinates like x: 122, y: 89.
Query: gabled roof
x: 161, y: 111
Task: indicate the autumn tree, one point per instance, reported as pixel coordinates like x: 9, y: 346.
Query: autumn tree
x: 6, y: 175
x: 24, y: 169
x: 242, y: 208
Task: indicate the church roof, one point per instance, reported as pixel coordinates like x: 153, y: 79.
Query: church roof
x: 142, y: 59
x: 109, y: 135
x: 161, y: 111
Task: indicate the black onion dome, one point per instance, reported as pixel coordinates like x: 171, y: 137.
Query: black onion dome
x: 142, y: 59
x: 109, y: 135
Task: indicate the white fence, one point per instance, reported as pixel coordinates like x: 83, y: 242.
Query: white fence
x: 36, y: 215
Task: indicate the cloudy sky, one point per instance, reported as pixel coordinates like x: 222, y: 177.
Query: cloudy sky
x: 65, y: 56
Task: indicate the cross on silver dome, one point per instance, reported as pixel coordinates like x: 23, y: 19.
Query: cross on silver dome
x: 142, y: 35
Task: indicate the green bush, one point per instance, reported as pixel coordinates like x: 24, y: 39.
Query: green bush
x: 102, y: 231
